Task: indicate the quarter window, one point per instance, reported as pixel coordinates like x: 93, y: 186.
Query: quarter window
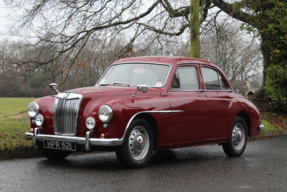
x: 223, y: 84
x: 185, y: 78
x: 213, y: 80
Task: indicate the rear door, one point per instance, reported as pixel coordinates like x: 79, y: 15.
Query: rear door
x: 219, y: 96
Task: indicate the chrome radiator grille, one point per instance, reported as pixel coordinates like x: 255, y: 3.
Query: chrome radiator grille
x: 66, y: 110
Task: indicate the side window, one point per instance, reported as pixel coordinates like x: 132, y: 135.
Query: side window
x: 185, y: 79
x: 210, y: 79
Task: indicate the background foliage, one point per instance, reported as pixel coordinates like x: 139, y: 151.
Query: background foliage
x: 274, y: 19
x: 22, y: 80
x: 91, y: 34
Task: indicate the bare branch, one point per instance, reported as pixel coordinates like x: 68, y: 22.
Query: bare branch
x: 233, y: 10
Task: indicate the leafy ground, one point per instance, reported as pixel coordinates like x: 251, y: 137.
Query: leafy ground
x: 11, y: 106
x: 274, y: 121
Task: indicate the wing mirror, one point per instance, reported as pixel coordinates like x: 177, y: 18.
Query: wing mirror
x: 53, y: 86
x: 141, y: 88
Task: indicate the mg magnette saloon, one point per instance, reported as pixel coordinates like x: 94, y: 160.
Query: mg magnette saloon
x: 144, y: 104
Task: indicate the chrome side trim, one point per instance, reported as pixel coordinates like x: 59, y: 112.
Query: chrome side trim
x: 198, y: 90
x: 130, y: 121
x: 229, y: 90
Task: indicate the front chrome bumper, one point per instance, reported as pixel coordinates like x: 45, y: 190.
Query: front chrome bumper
x: 86, y: 141
x: 261, y: 127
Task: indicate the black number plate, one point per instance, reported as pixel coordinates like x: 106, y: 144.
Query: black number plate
x: 60, y: 145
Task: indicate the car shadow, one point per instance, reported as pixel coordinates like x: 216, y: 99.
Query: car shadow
x: 192, y: 154
x: 90, y: 161
x: 108, y: 160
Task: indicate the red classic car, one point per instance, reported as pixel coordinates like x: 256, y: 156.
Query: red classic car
x: 144, y: 104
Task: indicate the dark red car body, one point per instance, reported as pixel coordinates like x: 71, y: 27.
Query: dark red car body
x: 177, y: 118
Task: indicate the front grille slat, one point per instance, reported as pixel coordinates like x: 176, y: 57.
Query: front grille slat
x: 66, y: 109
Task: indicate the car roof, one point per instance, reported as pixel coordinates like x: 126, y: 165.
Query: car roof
x: 172, y: 60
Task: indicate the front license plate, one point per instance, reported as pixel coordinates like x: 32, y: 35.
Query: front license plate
x: 60, y: 145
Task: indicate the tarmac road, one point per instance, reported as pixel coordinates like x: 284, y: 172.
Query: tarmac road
x: 263, y: 167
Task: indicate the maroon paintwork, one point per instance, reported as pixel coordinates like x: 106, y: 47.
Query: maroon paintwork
x: 207, y: 116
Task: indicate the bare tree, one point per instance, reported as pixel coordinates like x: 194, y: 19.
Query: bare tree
x: 238, y: 56
x: 17, y: 80
x: 68, y: 25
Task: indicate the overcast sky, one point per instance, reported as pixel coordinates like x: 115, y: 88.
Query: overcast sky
x: 3, y: 19
x: 4, y: 22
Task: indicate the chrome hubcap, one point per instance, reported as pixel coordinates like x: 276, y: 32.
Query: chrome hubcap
x: 138, y: 143
x: 238, y: 136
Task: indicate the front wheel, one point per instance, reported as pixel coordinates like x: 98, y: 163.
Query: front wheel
x: 136, y: 150
x: 238, y: 139
x: 53, y: 154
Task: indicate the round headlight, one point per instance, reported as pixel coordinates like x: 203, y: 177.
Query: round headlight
x: 90, y: 123
x: 105, y: 113
x: 33, y: 109
x: 39, y: 120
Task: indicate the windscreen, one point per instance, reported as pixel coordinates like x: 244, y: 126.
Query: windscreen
x: 152, y: 75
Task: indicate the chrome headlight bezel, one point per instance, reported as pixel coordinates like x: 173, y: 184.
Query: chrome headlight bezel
x: 90, y: 123
x: 39, y: 120
x: 33, y: 109
x: 105, y: 113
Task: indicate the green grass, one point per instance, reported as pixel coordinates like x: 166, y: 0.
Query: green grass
x: 12, y: 134
x: 12, y: 130
x: 12, y: 106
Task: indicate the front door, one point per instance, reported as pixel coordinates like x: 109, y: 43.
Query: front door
x: 191, y: 124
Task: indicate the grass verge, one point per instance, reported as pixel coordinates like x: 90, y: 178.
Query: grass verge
x: 12, y: 131
x: 13, y: 105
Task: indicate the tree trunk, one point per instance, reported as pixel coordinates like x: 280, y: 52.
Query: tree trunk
x: 194, y: 29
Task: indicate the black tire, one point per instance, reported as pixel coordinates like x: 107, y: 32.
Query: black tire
x: 136, y: 150
x: 53, y: 154
x: 238, y: 138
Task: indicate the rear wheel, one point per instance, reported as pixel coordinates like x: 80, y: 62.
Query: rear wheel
x: 238, y: 139
x: 136, y: 150
x: 53, y: 154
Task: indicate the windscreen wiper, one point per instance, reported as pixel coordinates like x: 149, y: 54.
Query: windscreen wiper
x: 121, y: 83
x: 104, y: 84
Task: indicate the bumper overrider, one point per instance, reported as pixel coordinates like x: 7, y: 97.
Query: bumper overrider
x: 261, y: 127
x: 85, y: 141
